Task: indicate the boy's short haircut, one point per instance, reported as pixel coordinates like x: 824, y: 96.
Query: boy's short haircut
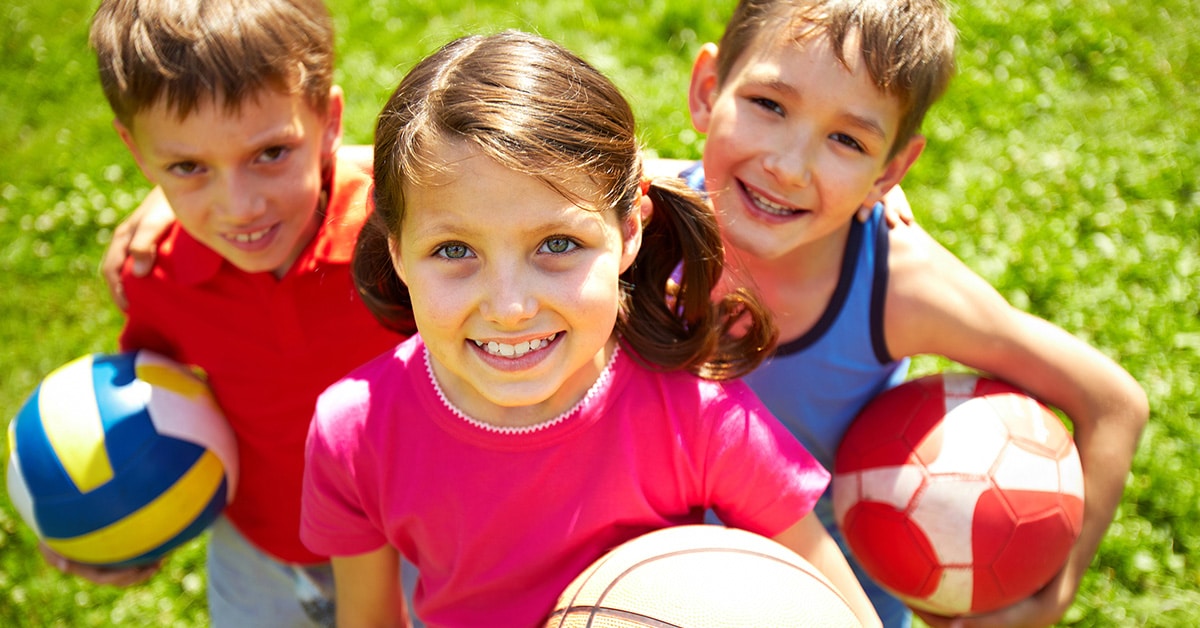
x: 186, y: 51
x: 908, y: 45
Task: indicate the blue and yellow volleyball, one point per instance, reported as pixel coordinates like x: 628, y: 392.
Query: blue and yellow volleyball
x: 116, y: 459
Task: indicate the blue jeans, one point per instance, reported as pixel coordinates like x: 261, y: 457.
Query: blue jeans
x: 248, y: 588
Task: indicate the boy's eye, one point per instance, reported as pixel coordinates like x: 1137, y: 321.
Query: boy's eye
x: 849, y: 141
x: 455, y: 250
x: 768, y: 104
x: 184, y: 168
x: 558, y: 244
x: 273, y: 154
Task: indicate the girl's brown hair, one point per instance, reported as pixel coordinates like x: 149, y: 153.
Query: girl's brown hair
x: 538, y: 109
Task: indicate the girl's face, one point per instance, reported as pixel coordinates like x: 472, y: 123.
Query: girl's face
x: 514, y: 287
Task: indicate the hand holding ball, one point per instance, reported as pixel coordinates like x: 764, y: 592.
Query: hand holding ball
x: 117, y: 459
x: 958, y: 493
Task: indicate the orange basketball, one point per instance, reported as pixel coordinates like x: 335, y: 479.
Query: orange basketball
x: 700, y: 576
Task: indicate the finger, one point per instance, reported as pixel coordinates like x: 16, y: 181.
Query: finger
x: 54, y: 559
x: 142, y: 248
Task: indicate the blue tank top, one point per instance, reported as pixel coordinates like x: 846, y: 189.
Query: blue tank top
x: 817, y: 384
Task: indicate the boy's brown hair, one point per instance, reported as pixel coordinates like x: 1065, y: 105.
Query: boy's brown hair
x: 908, y: 45
x: 185, y: 51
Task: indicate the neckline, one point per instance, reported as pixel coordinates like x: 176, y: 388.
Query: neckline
x: 595, y: 390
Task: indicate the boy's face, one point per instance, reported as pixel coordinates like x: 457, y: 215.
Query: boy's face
x: 796, y: 144
x: 247, y: 184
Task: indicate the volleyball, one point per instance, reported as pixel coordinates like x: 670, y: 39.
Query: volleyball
x: 115, y: 459
x: 701, y: 576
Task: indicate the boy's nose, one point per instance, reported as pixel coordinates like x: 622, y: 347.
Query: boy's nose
x: 238, y: 201
x: 791, y: 163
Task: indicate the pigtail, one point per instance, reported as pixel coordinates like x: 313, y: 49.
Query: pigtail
x: 720, y: 339
x: 376, y: 280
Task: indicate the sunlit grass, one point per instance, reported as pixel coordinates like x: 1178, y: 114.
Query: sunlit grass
x: 1062, y: 166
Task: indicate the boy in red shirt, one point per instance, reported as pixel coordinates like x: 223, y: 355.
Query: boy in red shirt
x: 239, y: 127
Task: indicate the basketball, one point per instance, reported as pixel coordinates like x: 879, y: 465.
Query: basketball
x: 700, y: 576
x: 116, y: 459
x: 960, y: 494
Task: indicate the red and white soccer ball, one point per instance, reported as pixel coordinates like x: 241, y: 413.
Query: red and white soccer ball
x: 958, y: 493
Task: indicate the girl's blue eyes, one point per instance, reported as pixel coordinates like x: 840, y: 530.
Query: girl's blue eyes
x: 558, y: 245
x: 555, y: 246
x: 453, y: 251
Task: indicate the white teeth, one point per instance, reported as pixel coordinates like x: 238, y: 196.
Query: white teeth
x: 517, y: 350
x: 248, y: 237
x: 771, y: 207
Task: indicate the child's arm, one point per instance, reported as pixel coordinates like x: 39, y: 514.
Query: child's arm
x: 936, y: 305
x: 116, y: 577
x: 809, y: 539
x: 136, y: 237
x: 368, y: 590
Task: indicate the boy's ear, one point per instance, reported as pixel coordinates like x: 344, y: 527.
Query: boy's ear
x: 127, y: 137
x: 896, y: 168
x: 703, y: 89
x: 332, y: 134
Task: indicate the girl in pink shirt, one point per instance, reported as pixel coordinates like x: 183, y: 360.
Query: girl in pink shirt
x: 552, y: 406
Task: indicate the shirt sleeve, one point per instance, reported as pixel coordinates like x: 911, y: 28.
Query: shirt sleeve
x: 335, y: 508
x: 761, y: 478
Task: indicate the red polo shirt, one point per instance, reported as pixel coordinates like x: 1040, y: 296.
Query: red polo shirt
x: 269, y: 347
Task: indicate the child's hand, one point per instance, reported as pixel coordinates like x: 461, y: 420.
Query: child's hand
x: 100, y: 575
x: 137, y: 238
x: 896, y: 210
x: 1043, y: 608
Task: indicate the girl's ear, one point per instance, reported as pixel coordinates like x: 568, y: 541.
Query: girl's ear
x: 631, y: 235
x: 394, y: 250
x: 702, y: 91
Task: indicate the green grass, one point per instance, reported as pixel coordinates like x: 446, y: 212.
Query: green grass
x: 1062, y: 167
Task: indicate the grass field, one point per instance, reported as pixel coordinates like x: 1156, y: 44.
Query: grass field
x: 1062, y: 166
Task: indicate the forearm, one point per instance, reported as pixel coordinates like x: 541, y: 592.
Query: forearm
x: 368, y: 590
x: 809, y: 539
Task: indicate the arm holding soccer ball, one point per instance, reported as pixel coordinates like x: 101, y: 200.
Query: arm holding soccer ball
x: 937, y: 305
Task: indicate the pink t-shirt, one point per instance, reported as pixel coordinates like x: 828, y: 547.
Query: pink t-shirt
x: 499, y: 521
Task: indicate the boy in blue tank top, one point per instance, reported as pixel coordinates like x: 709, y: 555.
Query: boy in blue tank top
x: 812, y: 111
